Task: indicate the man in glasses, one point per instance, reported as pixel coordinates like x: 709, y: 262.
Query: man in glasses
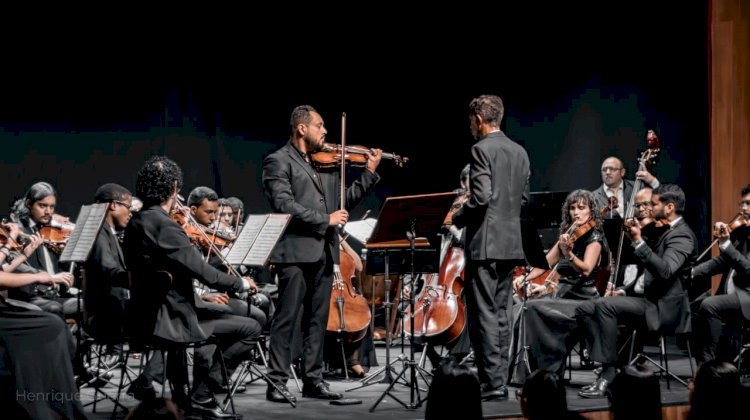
x: 731, y: 304
x: 107, y: 286
x: 614, y: 185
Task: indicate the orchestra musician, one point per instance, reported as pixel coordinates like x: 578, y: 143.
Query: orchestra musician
x: 107, y: 290
x: 731, y: 304
x: 499, y: 187
x: 154, y: 242
x: 204, y: 207
x: 664, y: 304
x: 614, y: 185
x: 35, y: 355
x: 308, y: 249
x: 33, y: 212
x: 550, y: 320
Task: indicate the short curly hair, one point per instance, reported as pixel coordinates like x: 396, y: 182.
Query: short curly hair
x: 157, y: 179
x: 572, y: 199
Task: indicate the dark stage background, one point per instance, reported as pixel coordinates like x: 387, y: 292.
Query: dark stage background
x: 579, y: 85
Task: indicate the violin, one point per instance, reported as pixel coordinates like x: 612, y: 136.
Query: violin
x: 330, y: 156
x: 740, y: 220
x: 56, y: 236
x: 7, y: 240
x: 550, y: 278
x: 611, y: 206
x: 205, y: 238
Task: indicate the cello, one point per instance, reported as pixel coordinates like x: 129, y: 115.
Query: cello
x: 439, y: 312
x: 348, y: 313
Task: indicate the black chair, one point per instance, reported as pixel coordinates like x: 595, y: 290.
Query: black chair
x: 663, y: 365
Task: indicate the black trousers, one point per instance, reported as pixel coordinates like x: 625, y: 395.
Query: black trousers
x: 712, y: 313
x: 303, y: 289
x: 609, y: 313
x: 236, y: 336
x: 488, y: 299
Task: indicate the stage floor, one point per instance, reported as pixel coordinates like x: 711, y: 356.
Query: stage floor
x: 253, y: 405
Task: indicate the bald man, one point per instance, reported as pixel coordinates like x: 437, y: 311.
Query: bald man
x: 614, y: 184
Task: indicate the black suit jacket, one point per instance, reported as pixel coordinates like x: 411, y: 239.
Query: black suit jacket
x: 667, y: 273
x: 293, y: 187
x: 105, y: 269
x: 36, y: 261
x: 499, y: 187
x: 736, y: 256
x: 602, y: 200
x: 154, y: 242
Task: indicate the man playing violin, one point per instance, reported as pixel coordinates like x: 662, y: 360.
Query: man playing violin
x: 203, y: 203
x: 664, y: 304
x: 731, y: 304
x: 308, y: 249
x: 154, y: 243
x: 33, y: 212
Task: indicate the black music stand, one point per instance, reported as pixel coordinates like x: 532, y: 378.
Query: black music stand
x: 400, y: 222
x: 252, y: 249
x: 535, y: 257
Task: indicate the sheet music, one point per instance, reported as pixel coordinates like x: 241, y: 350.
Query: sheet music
x: 269, y: 235
x: 361, y: 230
x: 247, y: 237
x: 84, y: 235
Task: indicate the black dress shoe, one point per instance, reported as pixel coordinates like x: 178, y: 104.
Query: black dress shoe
x: 141, y: 390
x: 280, y: 395
x: 599, y: 389
x: 321, y: 391
x: 500, y: 393
x: 211, y: 409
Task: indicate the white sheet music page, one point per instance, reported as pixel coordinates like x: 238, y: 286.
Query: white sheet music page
x: 361, y: 230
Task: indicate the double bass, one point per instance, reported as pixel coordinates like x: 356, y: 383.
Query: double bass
x: 645, y: 162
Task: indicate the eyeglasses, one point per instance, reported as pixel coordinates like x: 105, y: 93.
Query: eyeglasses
x: 644, y: 204
x: 124, y: 204
x: 610, y: 169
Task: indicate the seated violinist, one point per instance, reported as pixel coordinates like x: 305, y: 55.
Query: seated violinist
x: 107, y: 281
x: 203, y: 203
x: 731, y: 304
x: 550, y: 322
x: 34, y: 212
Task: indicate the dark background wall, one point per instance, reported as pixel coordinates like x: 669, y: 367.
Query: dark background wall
x: 579, y: 85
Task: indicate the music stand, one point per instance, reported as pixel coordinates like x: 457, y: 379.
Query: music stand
x: 400, y: 222
x: 252, y: 249
x: 535, y: 257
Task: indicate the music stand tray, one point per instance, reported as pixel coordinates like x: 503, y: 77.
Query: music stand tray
x: 403, y: 226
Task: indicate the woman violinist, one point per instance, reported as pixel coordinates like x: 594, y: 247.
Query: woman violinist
x: 576, y: 254
x: 550, y: 323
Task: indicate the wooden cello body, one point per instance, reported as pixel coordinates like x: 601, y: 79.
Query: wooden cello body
x: 439, y: 312
x: 348, y: 313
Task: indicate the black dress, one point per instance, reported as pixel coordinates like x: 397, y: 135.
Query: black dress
x: 36, y: 374
x: 551, y: 327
